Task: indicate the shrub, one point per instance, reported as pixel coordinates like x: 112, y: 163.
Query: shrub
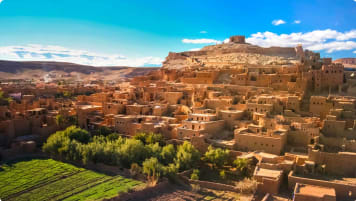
x: 195, y: 175
x: 168, y: 153
x: 247, y: 186
x: 218, y: 157
x: 187, y: 156
x: 150, y: 138
x: 132, y: 151
x: 113, y: 137
x: 243, y: 165
x: 153, y: 169
x: 135, y: 169
x: 222, y: 174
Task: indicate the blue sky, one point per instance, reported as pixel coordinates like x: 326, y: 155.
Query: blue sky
x: 141, y: 33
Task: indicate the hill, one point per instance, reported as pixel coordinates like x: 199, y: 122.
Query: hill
x: 39, y: 69
x: 347, y: 62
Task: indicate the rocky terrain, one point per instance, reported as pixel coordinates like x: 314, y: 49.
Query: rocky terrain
x: 347, y: 62
x: 39, y: 69
x: 233, y: 54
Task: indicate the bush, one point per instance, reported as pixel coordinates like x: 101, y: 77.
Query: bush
x: 187, y: 156
x: 222, y: 174
x: 132, y: 151
x: 218, y: 157
x: 243, y: 165
x: 195, y: 175
x: 113, y: 137
x: 168, y: 153
x: 153, y: 169
x: 150, y: 138
x: 135, y: 169
x: 247, y: 186
x: 78, y: 134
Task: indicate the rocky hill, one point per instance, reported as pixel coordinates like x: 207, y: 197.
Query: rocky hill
x: 348, y: 62
x: 234, y: 54
x: 38, y: 69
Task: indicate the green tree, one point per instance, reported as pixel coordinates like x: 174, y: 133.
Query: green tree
x: 153, y: 169
x: 103, y: 130
x: 154, y: 150
x: 60, y: 121
x: 243, y: 165
x: 168, y: 153
x: 150, y: 138
x: 187, y: 156
x: 78, y: 134
x: 132, y: 151
x: 217, y: 157
x: 113, y: 136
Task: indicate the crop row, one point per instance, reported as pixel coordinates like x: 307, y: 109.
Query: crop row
x: 107, y: 189
x: 60, y: 187
x: 24, y: 175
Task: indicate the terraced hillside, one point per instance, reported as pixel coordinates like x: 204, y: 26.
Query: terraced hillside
x: 47, y: 179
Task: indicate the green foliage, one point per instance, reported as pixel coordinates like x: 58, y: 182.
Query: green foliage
x: 150, y: 138
x: 154, y: 150
x: 3, y: 99
x: 62, y: 182
x: 132, y: 151
x: 218, y: 157
x: 168, y: 153
x: 195, y: 174
x: 243, y: 165
x: 67, y: 94
x: 171, y: 170
x: 60, y: 120
x: 78, y: 134
x: 222, y: 174
x: 72, y: 120
x: 153, y: 169
x: 103, y: 130
x: 187, y: 156
x: 113, y: 137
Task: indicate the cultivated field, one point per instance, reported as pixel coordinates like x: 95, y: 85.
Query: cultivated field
x: 47, y: 179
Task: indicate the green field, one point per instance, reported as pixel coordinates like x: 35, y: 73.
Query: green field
x: 47, y: 179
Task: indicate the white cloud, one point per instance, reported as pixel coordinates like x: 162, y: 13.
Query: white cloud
x: 1, y: 1
x: 203, y: 32
x: 201, y: 41
x: 298, y: 21
x: 355, y: 50
x: 35, y: 52
x: 328, y: 40
x: 195, y: 49
x: 278, y: 22
x: 334, y: 46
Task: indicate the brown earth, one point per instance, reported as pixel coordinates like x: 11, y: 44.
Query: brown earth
x: 62, y: 70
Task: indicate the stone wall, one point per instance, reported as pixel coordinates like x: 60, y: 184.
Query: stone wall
x: 341, y: 163
x: 342, y: 189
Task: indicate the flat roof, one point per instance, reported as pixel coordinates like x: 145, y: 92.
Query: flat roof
x: 262, y: 172
x: 315, y: 191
